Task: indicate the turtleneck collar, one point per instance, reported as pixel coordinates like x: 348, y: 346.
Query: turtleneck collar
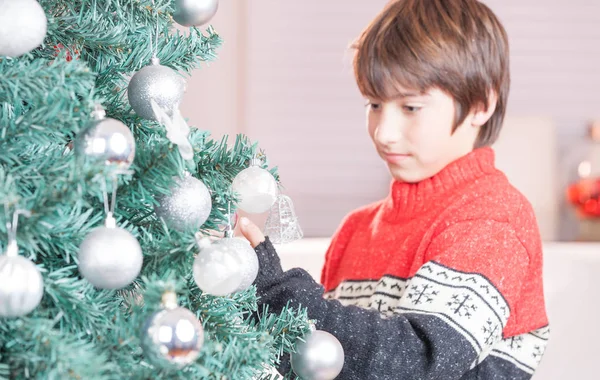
x: 407, y: 200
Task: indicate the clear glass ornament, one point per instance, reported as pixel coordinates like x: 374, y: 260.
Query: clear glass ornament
x: 282, y: 224
x: 172, y: 336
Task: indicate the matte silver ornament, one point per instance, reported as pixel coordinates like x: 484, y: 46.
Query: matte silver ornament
x: 110, y: 257
x: 247, y: 257
x: 106, y: 140
x: 21, y: 284
x: 173, y: 337
x: 23, y: 27
x: 157, y: 82
x: 194, y: 12
x: 319, y: 357
x: 188, y: 206
x: 257, y: 189
x: 217, y: 269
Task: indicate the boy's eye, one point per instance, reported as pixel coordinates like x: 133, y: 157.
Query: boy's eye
x: 412, y: 109
x: 374, y: 106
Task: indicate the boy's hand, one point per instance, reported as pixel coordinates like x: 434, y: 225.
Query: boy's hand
x: 251, y: 232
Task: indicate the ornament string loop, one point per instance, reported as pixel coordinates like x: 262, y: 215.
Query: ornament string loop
x: 109, y: 207
x: 11, y: 229
x: 154, y: 47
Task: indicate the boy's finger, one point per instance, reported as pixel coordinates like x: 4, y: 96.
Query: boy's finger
x: 251, y: 232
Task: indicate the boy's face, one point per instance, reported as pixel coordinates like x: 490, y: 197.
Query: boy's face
x: 413, y: 133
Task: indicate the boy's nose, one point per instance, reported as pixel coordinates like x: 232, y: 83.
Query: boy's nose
x: 388, y: 132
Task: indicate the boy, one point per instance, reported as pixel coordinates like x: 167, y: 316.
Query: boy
x: 443, y: 278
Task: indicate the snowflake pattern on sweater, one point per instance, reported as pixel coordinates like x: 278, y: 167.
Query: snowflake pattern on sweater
x: 467, y: 302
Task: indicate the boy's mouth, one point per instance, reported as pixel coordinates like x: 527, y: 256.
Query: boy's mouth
x: 395, y: 158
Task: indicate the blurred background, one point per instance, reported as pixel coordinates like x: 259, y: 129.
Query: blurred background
x: 284, y: 78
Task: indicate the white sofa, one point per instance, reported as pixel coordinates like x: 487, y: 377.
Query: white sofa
x: 571, y: 272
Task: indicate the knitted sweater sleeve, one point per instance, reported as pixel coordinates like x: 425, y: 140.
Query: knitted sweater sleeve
x: 453, y: 314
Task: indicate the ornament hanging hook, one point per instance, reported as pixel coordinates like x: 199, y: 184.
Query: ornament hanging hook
x: 229, y: 230
x: 154, y: 47
x: 11, y: 229
x: 109, y: 207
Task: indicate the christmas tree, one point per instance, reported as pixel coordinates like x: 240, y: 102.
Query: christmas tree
x: 106, y: 194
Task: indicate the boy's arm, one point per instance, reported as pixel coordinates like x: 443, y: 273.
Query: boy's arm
x: 455, y: 307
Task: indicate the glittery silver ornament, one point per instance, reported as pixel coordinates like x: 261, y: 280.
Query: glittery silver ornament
x: 21, y: 284
x: 23, y: 27
x: 194, y: 12
x: 319, y: 357
x: 217, y: 269
x: 173, y: 337
x: 106, y: 140
x: 257, y: 189
x: 156, y: 82
x: 246, y: 255
x: 282, y: 224
x: 110, y: 257
x: 188, y: 206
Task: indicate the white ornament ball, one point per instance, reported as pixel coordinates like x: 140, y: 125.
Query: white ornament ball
x: 106, y: 140
x: 157, y: 82
x: 218, y: 270
x: 257, y: 189
x: 21, y: 286
x: 173, y: 337
x: 188, y: 206
x: 23, y: 27
x: 247, y: 257
x: 194, y: 12
x: 319, y: 357
x: 110, y: 258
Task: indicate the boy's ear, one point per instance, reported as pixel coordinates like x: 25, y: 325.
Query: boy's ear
x: 481, y: 112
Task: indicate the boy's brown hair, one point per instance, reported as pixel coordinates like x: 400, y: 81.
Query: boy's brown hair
x: 458, y: 46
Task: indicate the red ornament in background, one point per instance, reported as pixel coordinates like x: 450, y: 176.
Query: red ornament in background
x: 583, y: 190
x: 60, y: 48
x: 584, y: 196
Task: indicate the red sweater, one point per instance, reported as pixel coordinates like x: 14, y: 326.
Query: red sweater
x: 468, y: 217
x: 446, y: 274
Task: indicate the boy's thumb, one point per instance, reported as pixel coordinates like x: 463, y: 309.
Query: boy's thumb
x: 251, y: 232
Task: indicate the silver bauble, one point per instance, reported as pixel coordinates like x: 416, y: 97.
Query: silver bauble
x: 319, y: 357
x: 257, y: 189
x: 110, y: 258
x: 247, y: 257
x: 106, y: 140
x: 157, y: 82
x: 217, y: 270
x: 173, y: 337
x: 23, y: 26
x: 21, y: 286
x: 194, y: 12
x: 188, y: 206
